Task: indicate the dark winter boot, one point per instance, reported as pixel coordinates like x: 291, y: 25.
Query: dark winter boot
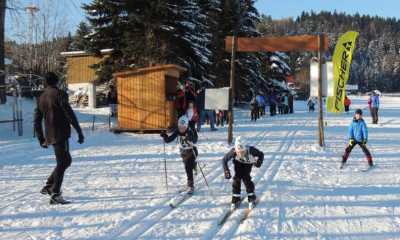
x: 46, y: 190
x: 251, y: 198
x: 235, y: 201
x: 56, y: 198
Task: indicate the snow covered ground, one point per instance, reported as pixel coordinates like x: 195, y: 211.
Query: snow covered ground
x: 118, y: 188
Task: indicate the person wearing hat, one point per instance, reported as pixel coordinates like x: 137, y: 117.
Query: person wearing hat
x: 244, y: 157
x: 358, y: 135
x: 53, y: 107
x: 186, y: 138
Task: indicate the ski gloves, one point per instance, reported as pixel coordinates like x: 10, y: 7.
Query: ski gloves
x: 227, y: 174
x: 258, y: 163
x: 42, y: 142
x: 352, y: 142
x: 164, y: 135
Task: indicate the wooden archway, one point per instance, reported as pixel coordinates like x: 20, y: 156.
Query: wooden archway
x: 313, y: 43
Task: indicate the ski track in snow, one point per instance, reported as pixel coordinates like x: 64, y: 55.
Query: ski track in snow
x: 117, y: 185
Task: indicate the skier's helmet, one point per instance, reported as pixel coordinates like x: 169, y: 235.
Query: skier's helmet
x: 183, y: 123
x: 240, y: 147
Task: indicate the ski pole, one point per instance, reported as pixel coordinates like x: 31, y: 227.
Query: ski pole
x: 165, y: 169
x: 204, y: 177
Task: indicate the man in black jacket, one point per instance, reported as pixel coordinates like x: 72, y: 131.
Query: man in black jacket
x: 53, y: 107
x: 186, y: 138
x: 244, y: 157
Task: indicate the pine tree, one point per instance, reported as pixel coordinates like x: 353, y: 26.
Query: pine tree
x: 80, y: 40
x: 108, y: 21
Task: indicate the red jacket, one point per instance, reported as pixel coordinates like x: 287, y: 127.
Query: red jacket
x: 347, y: 102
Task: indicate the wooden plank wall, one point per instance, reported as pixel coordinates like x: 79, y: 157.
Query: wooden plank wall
x: 79, y: 70
x: 142, y: 104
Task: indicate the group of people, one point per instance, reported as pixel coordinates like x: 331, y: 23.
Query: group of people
x: 283, y: 102
x: 54, y: 110
x: 243, y: 156
x: 191, y: 102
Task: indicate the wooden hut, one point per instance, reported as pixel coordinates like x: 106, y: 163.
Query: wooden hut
x: 146, y: 98
x: 80, y: 74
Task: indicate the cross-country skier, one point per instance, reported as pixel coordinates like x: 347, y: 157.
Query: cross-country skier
x: 186, y: 138
x: 358, y: 135
x: 244, y: 157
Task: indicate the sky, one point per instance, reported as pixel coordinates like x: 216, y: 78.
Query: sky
x: 276, y: 8
x: 292, y: 8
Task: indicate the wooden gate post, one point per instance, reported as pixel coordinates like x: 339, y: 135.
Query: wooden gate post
x: 232, y: 89
x: 321, y: 106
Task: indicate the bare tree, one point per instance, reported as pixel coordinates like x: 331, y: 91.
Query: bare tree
x: 41, y: 34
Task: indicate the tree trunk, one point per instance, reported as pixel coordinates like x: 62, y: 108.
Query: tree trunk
x: 2, y: 67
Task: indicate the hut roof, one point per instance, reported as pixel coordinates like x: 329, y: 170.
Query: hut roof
x: 149, y: 69
x: 84, y: 53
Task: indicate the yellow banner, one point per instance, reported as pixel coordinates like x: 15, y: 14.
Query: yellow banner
x: 341, y: 70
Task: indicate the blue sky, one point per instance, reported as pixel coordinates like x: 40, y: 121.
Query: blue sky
x: 293, y: 8
x: 276, y: 8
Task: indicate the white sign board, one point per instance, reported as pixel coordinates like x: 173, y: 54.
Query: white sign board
x: 327, y: 79
x: 314, y: 75
x: 217, y: 99
x: 352, y: 87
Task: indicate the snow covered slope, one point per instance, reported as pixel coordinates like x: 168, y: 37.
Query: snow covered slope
x: 117, y: 184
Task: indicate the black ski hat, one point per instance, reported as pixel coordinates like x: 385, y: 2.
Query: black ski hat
x: 358, y: 111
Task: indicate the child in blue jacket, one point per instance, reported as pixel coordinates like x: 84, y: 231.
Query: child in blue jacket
x: 358, y: 135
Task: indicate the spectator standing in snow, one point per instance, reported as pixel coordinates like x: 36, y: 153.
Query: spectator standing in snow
x: 285, y: 103
x: 291, y: 100
x: 280, y: 104
x: 272, y: 103
x: 375, y: 107
x: 254, y: 109
x: 180, y: 101
x: 311, y: 104
x: 220, y: 118
x: 112, y: 100
x: 347, y: 103
x: 53, y: 107
x: 187, y: 139
x: 244, y: 157
x: 193, y: 116
x: 370, y: 104
x: 261, y: 104
x: 358, y: 135
x: 200, y: 103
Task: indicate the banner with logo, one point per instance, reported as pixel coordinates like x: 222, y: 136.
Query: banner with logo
x: 341, y: 70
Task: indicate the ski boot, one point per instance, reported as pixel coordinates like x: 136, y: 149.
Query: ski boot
x: 235, y: 206
x: 46, y: 191
x: 252, y: 204
x: 56, y: 198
